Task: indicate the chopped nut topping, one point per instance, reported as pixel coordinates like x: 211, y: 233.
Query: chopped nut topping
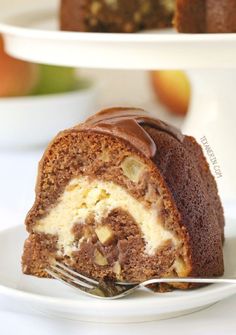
x: 104, y: 234
x: 132, y: 168
x: 99, y: 259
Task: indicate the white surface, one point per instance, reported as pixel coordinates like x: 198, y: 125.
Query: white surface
x: 35, y: 28
x: 216, y: 320
x: 32, y: 121
x: 53, y: 298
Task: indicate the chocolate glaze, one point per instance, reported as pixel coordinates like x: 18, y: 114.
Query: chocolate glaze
x: 128, y: 124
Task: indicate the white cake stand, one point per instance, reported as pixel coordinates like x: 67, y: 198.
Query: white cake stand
x: 31, y: 33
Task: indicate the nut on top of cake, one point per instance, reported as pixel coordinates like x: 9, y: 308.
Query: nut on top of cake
x: 125, y: 196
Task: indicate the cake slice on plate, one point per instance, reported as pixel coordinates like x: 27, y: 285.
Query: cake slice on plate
x: 125, y: 197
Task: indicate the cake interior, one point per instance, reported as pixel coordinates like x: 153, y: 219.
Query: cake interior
x: 110, y: 219
x: 116, y: 15
x: 85, y: 200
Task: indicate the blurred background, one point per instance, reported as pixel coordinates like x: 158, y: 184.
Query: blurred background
x: 37, y: 101
x: 30, y: 94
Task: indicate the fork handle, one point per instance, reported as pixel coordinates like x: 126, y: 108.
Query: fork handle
x: 189, y: 280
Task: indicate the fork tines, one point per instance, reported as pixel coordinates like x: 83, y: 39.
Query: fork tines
x: 59, y: 270
x: 104, y: 289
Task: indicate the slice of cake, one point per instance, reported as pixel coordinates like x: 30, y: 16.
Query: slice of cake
x: 206, y: 16
x: 115, y: 15
x: 127, y: 197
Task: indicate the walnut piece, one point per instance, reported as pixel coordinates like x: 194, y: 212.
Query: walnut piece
x: 132, y: 168
x: 104, y: 234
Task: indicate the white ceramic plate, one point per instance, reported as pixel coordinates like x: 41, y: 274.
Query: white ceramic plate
x: 53, y: 298
x: 31, y: 33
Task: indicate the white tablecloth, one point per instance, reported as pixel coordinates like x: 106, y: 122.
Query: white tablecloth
x: 17, y: 177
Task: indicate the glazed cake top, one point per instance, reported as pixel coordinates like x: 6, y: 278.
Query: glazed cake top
x: 128, y: 124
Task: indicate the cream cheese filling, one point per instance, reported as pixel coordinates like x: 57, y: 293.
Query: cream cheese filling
x: 83, y: 197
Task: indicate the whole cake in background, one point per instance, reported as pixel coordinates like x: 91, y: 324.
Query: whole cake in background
x: 188, y: 16
x: 116, y: 15
x: 206, y: 16
x: 126, y: 197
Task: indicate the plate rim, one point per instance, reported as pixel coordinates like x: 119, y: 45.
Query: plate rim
x: 27, y: 30
x: 113, y: 304
x: 147, y: 37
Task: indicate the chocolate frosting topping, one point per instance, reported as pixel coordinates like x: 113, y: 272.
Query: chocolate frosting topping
x: 128, y: 124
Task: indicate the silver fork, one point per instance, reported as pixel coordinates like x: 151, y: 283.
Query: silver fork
x: 114, y: 290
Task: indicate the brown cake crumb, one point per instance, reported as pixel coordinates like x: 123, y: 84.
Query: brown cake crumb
x: 149, y: 209
x: 115, y: 15
x: 205, y: 16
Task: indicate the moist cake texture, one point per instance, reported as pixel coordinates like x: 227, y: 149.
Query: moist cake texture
x: 115, y: 15
x: 125, y: 196
x: 206, y: 16
x: 191, y: 16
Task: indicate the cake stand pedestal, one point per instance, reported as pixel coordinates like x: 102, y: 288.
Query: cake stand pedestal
x: 31, y: 33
